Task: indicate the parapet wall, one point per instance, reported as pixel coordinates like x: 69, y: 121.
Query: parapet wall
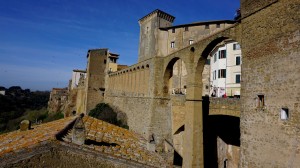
x: 225, y: 106
x: 132, y: 81
x: 128, y: 91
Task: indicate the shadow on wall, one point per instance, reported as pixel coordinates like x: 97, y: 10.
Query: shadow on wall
x: 225, y: 127
x: 106, y: 113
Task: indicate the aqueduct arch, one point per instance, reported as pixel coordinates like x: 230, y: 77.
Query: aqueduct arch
x: 195, y: 57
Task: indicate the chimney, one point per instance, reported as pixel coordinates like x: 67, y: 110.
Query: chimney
x: 25, y: 125
x: 78, y: 132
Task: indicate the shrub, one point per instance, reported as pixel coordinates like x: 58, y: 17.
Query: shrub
x: 104, y: 112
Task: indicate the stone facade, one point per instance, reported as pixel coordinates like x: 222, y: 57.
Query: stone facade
x: 268, y: 32
x: 58, y: 99
x: 270, y: 69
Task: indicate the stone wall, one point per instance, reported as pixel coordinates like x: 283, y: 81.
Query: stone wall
x: 271, y: 40
x: 225, y: 106
x: 228, y: 155
x: 58, y: 99
x: 137, y: 110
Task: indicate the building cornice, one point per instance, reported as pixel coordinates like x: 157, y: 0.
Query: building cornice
x: 160, y: 14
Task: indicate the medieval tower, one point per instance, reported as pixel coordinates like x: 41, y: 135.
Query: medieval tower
x: 150, y: 35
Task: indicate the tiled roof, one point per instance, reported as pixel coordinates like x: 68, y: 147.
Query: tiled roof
x: 125, y: 144
x: 19, y: 140
x: 130, y: 145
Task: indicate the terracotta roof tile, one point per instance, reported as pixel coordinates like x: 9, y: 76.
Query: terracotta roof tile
x: 124, y: 143
x: 129, y: 144
x: 16, y: 140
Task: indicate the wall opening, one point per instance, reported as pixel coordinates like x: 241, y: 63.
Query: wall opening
x: 284, y: 114
x: 177, y: 159
x: 260, y: 101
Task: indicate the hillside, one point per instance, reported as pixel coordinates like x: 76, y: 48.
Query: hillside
x: 18, y: 104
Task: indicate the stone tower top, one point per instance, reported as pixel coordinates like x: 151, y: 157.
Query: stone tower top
x: 149, y: 33
x: 159, y: 14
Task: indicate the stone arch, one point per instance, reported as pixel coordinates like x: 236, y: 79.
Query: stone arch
x: 210, y: 138
x: 168, y: 74
x: 202, y: 57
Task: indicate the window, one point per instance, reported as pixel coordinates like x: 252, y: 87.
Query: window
x: 238, y: 78
x: 222, y: 54
x: 218, y: 25
x: 238, y: 60
x: 191, y: 42
x: 222, y: 73
x: 215, y: 57
x: 105, y: 61
x: 173, y: 30
x: 236, y: 46
x: 284, y: 114
x: 260, y: 101
x: 186, y: 29
x: 173, y: 44
x: 207, y: 26
x: 214, y: 75
x: 207, y: 62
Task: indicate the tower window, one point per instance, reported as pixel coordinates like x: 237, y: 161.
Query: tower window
x: 191, y: 42
x: 186, y: 29
x: 218, y: 25
x: 207, y: 26
x: 105, y: 61
x: 173, y: 30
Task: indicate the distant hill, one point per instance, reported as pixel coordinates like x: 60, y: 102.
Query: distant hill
x: 18, y: 104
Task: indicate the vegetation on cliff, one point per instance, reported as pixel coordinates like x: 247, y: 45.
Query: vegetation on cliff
x: 106, y: 113
x: 18, y: 104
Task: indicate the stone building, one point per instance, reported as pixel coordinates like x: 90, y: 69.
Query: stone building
x: 191, y: 130
x: 58, y: 99
x: 76, y: 76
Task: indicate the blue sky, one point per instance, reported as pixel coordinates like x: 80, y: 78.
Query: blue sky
x: 42, y: 41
